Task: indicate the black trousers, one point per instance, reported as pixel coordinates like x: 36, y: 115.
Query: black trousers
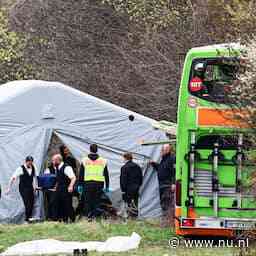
x: 165, y: 197
x: 51, y: 205
x: 132, y: 198
x: 93, y: 193
x: 27, y: 195
x: 64, y: 206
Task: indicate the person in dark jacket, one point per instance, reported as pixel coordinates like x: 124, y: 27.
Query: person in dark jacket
x: 130, y: 182
x: 68, y: 158
x: 27, y: 184
x: 94, y: 173
x: 166, y: 177
x: 64, y: 188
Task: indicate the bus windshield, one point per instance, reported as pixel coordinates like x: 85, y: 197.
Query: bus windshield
x: 213, y: 79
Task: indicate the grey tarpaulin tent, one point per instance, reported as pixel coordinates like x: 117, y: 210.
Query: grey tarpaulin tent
x: 31, y: 111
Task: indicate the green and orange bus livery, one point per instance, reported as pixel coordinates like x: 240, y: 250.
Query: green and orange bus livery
x: 212, y: 172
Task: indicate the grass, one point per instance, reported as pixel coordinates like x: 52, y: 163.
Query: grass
x: 154, y: 239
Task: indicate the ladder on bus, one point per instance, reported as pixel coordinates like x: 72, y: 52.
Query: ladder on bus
x: 205, y: 183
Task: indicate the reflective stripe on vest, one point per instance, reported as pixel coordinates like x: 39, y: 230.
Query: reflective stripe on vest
x: 94, y: 170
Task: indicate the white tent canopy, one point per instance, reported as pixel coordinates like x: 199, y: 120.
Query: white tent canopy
x: 31, y: 111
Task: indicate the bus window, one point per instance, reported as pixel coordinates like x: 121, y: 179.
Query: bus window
x: 212, y: 79
x: 224, y: 141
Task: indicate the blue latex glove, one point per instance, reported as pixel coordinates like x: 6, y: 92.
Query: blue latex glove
x: 106, y: 190
x: 80, y: 189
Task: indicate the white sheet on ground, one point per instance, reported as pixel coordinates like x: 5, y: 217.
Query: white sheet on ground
x: 50, y: 246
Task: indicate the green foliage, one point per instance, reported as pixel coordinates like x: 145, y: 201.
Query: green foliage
x: 240, y: 15
x: 243, y: 17
x: 12, y: 60
x: 153, y: 14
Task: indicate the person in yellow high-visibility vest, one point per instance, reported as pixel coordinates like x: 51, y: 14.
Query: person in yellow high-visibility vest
x: 94, y: 173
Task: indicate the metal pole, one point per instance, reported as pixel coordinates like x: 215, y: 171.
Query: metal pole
x: 192, y: 168
x: 215, y: 183
x: 161, y: 142
x: 239, y: 170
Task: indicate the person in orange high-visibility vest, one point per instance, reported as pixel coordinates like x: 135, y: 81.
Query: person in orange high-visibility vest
x: 94, y: 173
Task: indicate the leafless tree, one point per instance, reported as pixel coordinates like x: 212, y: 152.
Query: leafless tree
x: 94, y: 48
x: 100, y: 51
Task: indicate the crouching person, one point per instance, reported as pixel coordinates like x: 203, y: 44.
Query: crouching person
x: 64, y: 189
x: 27, y: 184
x: 130, y: 182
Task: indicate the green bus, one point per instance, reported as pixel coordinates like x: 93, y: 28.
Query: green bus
x: 213, y: 173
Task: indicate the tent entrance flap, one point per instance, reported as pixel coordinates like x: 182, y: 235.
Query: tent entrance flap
x: 149, y: 203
